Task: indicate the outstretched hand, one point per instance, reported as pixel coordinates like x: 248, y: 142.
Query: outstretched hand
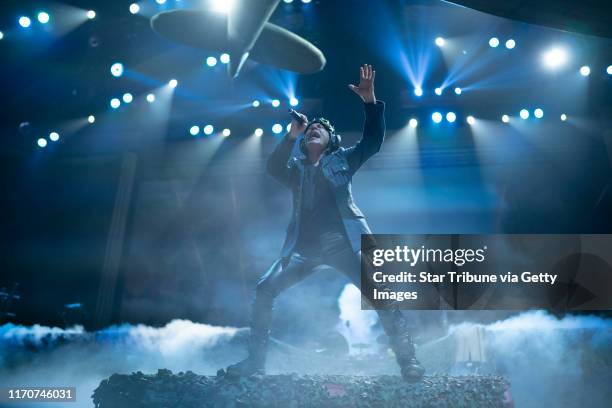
x: 366, y: 84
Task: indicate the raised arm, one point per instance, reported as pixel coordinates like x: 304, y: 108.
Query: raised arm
x: 374, y: 126
x: 277, y: 162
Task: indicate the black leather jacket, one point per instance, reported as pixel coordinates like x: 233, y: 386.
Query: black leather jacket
x: 286, y: 164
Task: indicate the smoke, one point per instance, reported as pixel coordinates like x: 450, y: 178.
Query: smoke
x: 356, y: 325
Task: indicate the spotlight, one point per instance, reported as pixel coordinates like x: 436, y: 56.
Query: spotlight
x: 150, y: 98
x: 458, y: 91
x: 91, y: 14
x: 554, y: 58
x: 54, y: 136
x: 293, y: 102
x: 209, y: 129
x: 494, y: 42
x: 608, y: 70
x: 222, y: 6
x: 91, y: 118
x: 275, y: 103
x: 194, y: 130
x: 306, y: 1
x: 288, y: 127
x: 418, y: 91
x: 277, y: 128
x: 436, y: 117
x: 585, y: 70
x: 160, y: 1
x: 43, y: 17
x: 1, y: 35
x: 288, y: 1
x: 258, y: 132
x: 563, y: 117
x: 439, y: 41
x: 510, y: 44
x: 114, y: 103
x: 524, y: 114
x: 211, y: 61
x: 255, y: 103
x: 451, y: 117
x: 134, y: 8
x: 505, y: 118
x: 226, y: 132
x: 438, y: 91
x: 128, y: 98
x: 224, y: 58
x: 24, y: 21
x: 538, y: 113
x: 116, y: 69
x: 413, y: 123
x: 173, y: 83
x: 471, y: 120
x: 42, y: 142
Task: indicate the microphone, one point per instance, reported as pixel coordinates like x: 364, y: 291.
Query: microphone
x: 295, y: 116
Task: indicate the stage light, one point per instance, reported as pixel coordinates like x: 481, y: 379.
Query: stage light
x: 255, y: 103
x: 413, y: 123
x: 134, y: 8
x: 418, y: 91
x: 128, y: 98
x: 91, y: 118
x: 451, y: 117
x: 43, y: 17
x: 510, y: 44
x: 493, y: 42
x: 116, y: 69
x: 306, y: 1
x: 277, y: 128
x: 222, y: 6
x: 42, y: 142
x: 471, y: 120
x: 524, y: 114
x: 288, y: 1
x: 150, y: 98
x: 288, y: 127
x: 114, y: 103
x: 160, y: 2
x: 194, y: 130
x: 211, y: 61
x: 585, y: 70
x: 258, y: 132
x: 1, y: 35
x: 438, y: 91
x: 554, y: 58
x: 505, y: 118
x: 563, y: 117
x: 439, y: 41
x: 436, y: 117
x: 224, y: 58
x: 24, y: 21
x: 458, y: 91
x: 91, y: 14
x: 538, y: 113
x: 173, y: 83
x: 275, y: 103
x: 54, y: 136
x: 608, y: 70
x: 209, y: 129
x: 293, y: 102
x: 226, y: 132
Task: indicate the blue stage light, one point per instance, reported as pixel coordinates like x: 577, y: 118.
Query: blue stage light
x: 91, y: 14
x: 128, y: 98
x: 226, y: 132
x: 1, y: 35
x: 151, y: 98
x: 43, y: 17
x: 413, y: 123
x: 160, y: 1
x: 418, y: 91
x: 438, y: 91
x: 439, y: 41
x: 194, y: 130
x: 471, y: 120
x: 173, y: 83
x: 91, y: 118
x: 255, y: 103
x: 115, y: 103
x: 538, y: 113
x: 277, y: 128
x: 42, y: 142
x: 458, y: 91
x: 288, y: 1
x: 134, y: 8
x: 510, y: 44
x: 585, y: 70
x: 505, y: 118
x: 224, y: 58
x: 563, y: 117
x: 275, y: 103
x: 494, y: 42
x: 116, y: 69
x: 211, y: 61
x: 209, y: 129
x: 554, y: 58
x: 608, y: 70
x: 54, y: 136
x: 258, y: 132
x: 25, y: 22
x: 306, y: 1
x: 293, y: 102
x: 451, y: 117
x: 524, y: 114
x: 436, y: 117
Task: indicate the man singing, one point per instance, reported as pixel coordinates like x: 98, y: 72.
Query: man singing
x: 326, y: 225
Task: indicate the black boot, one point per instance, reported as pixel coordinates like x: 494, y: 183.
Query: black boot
x: 400, y: 340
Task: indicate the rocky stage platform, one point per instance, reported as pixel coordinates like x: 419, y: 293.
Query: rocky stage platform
x: 187, y: 390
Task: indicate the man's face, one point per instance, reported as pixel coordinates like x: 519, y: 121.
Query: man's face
x: 317, y: 135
